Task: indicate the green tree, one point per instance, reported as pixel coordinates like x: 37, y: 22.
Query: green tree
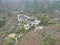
x: 22, y: 29
x: 2, y: 22
x: 9, y: 14
x: 44, y: 20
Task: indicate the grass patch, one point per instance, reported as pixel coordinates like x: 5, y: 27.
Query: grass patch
x: 49, y: 41
x: 45, y: 20
x: 21, y: 30
x: 9, y: 43
x: 58, y: 30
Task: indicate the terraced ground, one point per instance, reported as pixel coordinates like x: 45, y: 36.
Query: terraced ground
x: 36, y: 38
x: 9, y: 27
x: 32, y: 38
x: 39, y: 36
x: 50, y: 35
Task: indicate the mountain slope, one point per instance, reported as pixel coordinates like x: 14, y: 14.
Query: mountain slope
x: 9, y: 9
x: 33, y: 6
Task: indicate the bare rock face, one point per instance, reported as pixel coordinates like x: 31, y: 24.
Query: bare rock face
x: 12, y: 35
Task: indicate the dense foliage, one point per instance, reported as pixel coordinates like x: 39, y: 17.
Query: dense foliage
x: 2, y: 22
x: 44, y: 20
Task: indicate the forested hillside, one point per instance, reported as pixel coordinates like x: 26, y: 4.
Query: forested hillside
x: 9, y: 9
x: 31, y: 6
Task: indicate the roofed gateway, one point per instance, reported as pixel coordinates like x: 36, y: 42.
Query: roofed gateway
x: 27, y: 21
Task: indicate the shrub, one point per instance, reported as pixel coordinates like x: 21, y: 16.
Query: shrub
x: 9, y: 14
x: 22, y: 29
x: 44, y: 20
x: 2, y: 22
x: 9, y: 43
